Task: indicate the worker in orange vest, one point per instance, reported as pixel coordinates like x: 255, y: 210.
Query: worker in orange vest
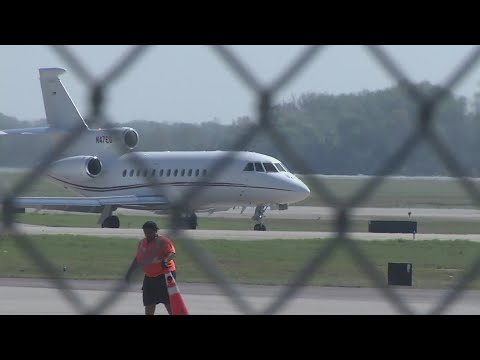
x: 155, y: 255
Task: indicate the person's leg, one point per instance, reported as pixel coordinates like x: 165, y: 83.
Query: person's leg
x: 154, y: 293
x: 150, y: 309
x: 149, y: 296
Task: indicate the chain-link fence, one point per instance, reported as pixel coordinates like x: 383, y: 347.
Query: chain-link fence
x: 265, y: 123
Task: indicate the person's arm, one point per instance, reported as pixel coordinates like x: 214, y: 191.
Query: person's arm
x: 169, y: 249
x: 166, y: 259
x: 169, y: 257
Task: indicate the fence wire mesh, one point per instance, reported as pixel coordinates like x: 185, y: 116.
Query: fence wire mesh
x: 424, y: 132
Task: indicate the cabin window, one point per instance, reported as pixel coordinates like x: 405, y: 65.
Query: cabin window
x: 160, y: 173
x: 124, y: 173
x: 153, y: 172
x: 132, y: 172
x: 197, y: 172
x: 138, y: 172
x: 269, y: 167
x: 168, y: 172
x: 190, y: 172
x: 204, y: 172
x: 259, y: 167
x: 183, y: 172
x: 249, y: 167
x: 175, y: 173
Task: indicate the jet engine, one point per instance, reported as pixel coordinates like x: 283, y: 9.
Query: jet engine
x: 116, y: 139
x: 76, y: 168
x: 103, y: 142
x: 129, y: 138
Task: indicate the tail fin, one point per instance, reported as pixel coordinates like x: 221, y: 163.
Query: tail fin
x: 60, y: 110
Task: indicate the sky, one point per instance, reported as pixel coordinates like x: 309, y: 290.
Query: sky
x: 193, y: 84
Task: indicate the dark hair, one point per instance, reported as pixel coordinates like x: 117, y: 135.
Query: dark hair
x: 150, y: 225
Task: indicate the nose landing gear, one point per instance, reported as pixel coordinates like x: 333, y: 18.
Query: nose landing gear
x: 258, y: 216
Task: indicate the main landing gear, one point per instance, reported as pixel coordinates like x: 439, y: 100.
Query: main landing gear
x: 190, y: 221
x: 258, y: 216
x: 111, y: 222
x: 107, y: 220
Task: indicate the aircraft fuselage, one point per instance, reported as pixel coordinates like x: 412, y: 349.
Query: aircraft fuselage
x: 176, y: 174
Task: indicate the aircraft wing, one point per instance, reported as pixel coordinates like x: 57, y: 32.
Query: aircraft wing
x: 32, y: 131
x: 94, y: 202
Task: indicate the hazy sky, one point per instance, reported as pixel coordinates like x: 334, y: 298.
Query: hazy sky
x: 191, y: 83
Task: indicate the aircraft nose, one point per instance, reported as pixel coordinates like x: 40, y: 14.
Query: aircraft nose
x: 300, y: 190
x: 303, y: 189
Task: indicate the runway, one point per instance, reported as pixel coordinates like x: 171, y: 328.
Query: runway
x: 317, y: 212
x: 27, y: 296
x: 243, y: 235
x: 324, y: 213
x: 294, y: 212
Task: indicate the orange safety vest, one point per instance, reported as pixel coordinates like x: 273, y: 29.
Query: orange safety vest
x: 150, y: 255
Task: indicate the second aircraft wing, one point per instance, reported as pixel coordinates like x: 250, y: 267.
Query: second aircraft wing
x: 71, y: 203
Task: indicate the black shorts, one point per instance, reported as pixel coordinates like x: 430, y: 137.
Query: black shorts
x: 155, y: 290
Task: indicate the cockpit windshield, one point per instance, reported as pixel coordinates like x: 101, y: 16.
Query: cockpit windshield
x: 269, y: 167
x: 265, y: 167
x: 249, y: 167
x: 280, y: 167
x: 259, y: 167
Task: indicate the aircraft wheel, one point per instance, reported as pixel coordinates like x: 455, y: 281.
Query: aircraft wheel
x: 115, y: 222
x: 111, y: 222
x: 192, y: 222
x: 257, y: 227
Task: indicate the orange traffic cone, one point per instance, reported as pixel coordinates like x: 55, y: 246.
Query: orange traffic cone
x: 176, y: 301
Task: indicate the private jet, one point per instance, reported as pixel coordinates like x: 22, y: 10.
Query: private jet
x: 107, y: 173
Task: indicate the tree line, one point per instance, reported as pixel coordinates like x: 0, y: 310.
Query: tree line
x: 346, y: 134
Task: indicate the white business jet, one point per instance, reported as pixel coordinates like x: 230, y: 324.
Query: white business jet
x: 107, y: 174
